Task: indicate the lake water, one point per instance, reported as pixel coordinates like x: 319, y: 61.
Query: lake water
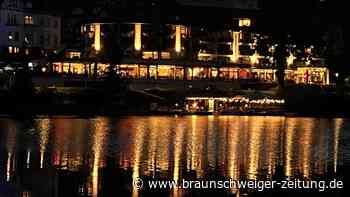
x: 101, y: 156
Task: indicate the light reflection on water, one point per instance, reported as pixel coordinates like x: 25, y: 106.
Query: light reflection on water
x: 161, y: 146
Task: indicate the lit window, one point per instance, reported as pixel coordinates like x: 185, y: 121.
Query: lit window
x: 28, y: 20
x: 246, y: 22
x: 74, y: 54
x: 10, y: 49
x: 26, y: 194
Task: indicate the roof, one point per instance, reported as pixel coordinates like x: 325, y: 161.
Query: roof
x: 212, y: 16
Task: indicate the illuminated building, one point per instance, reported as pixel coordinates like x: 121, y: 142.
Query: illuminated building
x: 27, y: 30
x: 177, y: 49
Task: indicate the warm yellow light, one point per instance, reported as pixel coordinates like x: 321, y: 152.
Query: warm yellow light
x: 138, y: 32
x: 10, y: 49
x: 338, y: 123
x: 43, y: 127
x: 245, y: 22
x: 290, y: 59
x: 97, y: 147
x: 28, y: 20
x: 194, y: 105
x: 97, y: 43
x: 178, y: 39
x: 235, y: 46
x: 254, y: 58
x: 308, y: 62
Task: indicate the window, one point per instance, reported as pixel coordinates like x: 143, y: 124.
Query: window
x: 55, y: 24
x: 26, y: 194
x: 48, y: 22
x: 41, y: 21
x: 28, y: 20
x: 10, y: 49
x: 28, y: 38
x: 245, y: 22
x: 13, y: 36
x: 41, y: 39
x: 73, y: 54
x: 13, y: 3
x: 12, y: 19
x: 48, y: 39
x: 55, y: 40
x: 16, y: 36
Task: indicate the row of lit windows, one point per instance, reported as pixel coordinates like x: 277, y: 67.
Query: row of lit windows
x: 15, y: 50
x: 12, y: 20
x: 29, y: 20
x: 174, y: 72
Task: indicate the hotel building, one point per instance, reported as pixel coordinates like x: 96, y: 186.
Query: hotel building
x: 220, y: 46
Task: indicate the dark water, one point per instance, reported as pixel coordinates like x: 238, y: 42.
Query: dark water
x: 67, y: 156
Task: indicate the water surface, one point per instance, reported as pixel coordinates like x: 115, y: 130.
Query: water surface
x: 98, y: 156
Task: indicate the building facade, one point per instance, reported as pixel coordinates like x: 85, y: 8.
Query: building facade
x: 238, y: 4
x: 26, y: 31
x: 221, y: 45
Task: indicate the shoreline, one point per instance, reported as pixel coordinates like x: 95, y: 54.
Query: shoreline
x: 80, y: 114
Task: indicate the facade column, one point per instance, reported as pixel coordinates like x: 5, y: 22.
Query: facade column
x: 138, y: 71
x: 97, y: 41
x: 95, y: 70
x: 327, y: 76
x: 235, y: 46
x: 69, y: 68
x: 137, y: 37
x: 178, y: 38
x: 148, y: 75
x: 183, y: 72
x: 192, y: 73
x: 207, y: 73
x: 85, y: 70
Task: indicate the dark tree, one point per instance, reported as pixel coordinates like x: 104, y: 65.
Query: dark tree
x: 280, y: 57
